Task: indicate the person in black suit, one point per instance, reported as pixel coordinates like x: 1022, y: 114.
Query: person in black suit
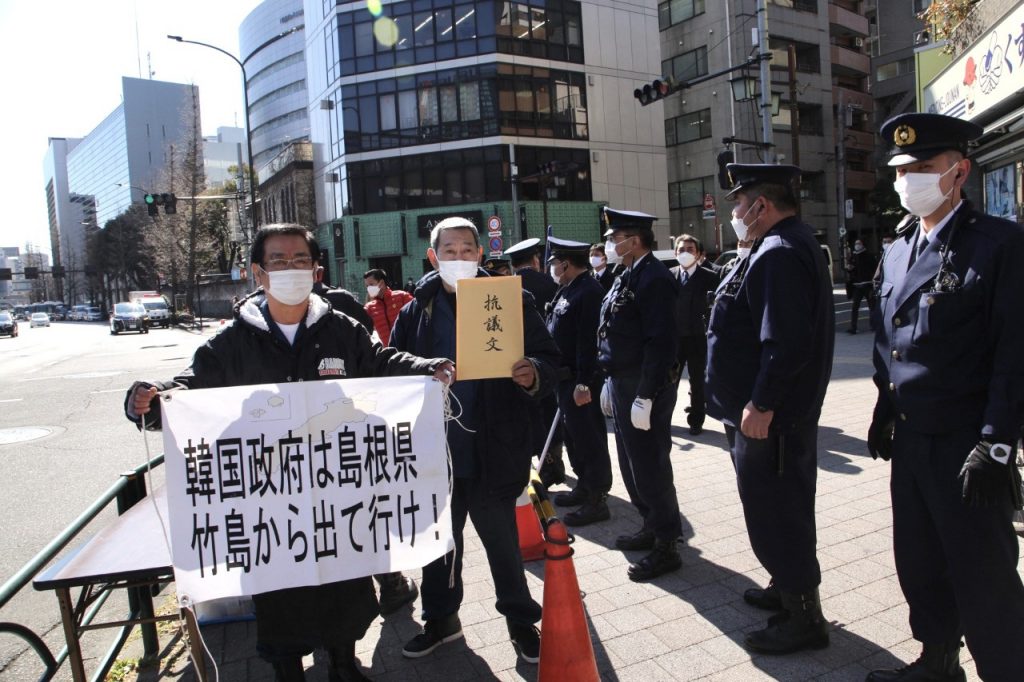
x: 860, y: 272
x: 948, y: 368
x: 692, y: 322
x: 525, y: 259
x: 603, y: 273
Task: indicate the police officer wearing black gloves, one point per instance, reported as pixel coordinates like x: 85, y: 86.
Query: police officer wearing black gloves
x: 572, y: 321
x: 637, y: 350
x: 950, y: 392
x: 770, y: 344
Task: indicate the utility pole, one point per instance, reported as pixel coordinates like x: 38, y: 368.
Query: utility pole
x: 841, y: 176
x: 766, y: 82
x: 794, y: 110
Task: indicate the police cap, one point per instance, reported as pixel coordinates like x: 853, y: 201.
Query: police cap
x: 747, y: 175
x: 495, y: 263
x: 565, y: 248
x: 919, y: 137
x: 616, y: 220
x: 523, y: 249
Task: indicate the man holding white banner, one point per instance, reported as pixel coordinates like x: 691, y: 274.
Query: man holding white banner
x: 282, y: 334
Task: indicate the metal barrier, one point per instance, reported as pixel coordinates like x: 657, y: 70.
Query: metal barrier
x: 129, y: 489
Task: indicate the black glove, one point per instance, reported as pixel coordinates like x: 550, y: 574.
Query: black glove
x: 880, y: 434
x: 987, y: 482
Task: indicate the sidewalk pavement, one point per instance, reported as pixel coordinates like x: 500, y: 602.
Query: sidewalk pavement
x: 688, y: 624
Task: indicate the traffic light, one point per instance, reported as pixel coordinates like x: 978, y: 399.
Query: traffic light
x: 57, y: 272
x: 658, y: 89
x: 5, y: 274
x: 165, y: 199
x: 153, y: 204
x: 170, y: 203
x: 31, y: 273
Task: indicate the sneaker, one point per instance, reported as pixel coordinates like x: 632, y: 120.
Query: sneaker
x: 435, y: 633
x: 526, y: 641
x: 396, y: 590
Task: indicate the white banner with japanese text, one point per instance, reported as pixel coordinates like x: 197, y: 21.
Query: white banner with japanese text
x: 286, y: 485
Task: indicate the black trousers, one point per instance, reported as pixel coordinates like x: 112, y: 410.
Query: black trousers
x: 586, y: 438
x: 693, y: 354
x: 644, y: 457
x: 957, y: 565
x: 858, y: 293
x: 494, y: 519
x: 779, y: 509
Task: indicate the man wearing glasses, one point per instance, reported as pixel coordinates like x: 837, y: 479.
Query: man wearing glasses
x: 283, y: 333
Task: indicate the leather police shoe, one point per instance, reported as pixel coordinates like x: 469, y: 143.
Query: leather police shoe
x: 767, y: 598
x: 642, y: 539
x: 799, y: 626
x: 663, y: 559
x: 696, y: 430
x: 937, y: 663
x: 591, y: 512
x: 344, y: 667
x: 573, y: 498
x: 396, y: 591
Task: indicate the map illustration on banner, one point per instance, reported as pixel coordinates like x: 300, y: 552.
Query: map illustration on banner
x: 287, y: 485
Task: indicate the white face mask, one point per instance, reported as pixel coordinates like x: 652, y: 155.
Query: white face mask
x: 611, y: 253
x: 454, y: 270
x: 740, y: 227
x: 885, y: 247
x: 742, y: 252
x: 920, y: 193
x: 553, y: 271
x: 290, y: 287
x: 373, y: 291
x: 686, y: 259
x: 596, y: 262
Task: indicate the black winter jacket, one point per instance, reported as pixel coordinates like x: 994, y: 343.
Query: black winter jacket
x: 504, y: 437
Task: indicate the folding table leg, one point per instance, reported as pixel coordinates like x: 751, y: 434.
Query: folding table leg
x: 70, y: 622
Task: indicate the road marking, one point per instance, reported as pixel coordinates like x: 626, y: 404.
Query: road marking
x: 109, y: 390
x: 12, y: 400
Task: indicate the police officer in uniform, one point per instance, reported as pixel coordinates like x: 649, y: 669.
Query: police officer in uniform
x: 950, y: 394
x: 572, y: 322
x: 770, y: 343
x: 637, y: 350
x: 525, y: 257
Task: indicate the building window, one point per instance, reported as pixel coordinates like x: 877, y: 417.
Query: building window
x: 901, y: 67
x: 811, y: 121
x: 688, y: 65
x: 690, y: 193
x: 677, y: 11
x: 808, y: 57
x: 800, y: 5
x: 921, y: 5
x: 688, y: 127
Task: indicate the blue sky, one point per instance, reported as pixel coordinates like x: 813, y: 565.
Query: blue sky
x: 63, y: 61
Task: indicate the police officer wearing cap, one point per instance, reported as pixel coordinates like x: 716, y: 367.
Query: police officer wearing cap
x: 637, y: 349
x: 572, y: 321
x: 770, y: 343
x: 950, y: 384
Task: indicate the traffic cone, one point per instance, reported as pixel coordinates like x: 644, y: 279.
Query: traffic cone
x: 566, y: 652
x: 531, y: 540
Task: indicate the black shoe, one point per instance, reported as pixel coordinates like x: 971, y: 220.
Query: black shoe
x: 664, y: 558
x: 851, y: 331
x: 937, y: 663
x: 799, y: 626
x: 435, y: 633
x: 289, y: 670
x: 591, y: 512
x: 573, y: 498
x: 344, y: 667
x: 396, y: 591
x: 767, y: 598
x: 640, y: 540
x: 552, y: 469
x: 696, y: 430
x: 526, y: 641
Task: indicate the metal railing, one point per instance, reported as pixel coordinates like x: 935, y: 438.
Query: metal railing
x: 129, y: 489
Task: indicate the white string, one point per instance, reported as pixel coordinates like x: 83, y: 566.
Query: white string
x: 184, y: 602
x: 449, y: 398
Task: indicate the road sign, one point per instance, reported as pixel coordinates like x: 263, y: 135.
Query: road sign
x: 493, y: 224
x: 709, y: 202
x: 709, y: 214
x: 496, y: 243
x: 842, y: 231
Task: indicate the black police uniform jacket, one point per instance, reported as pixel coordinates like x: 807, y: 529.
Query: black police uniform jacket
x: 948, y: 346
x: 504, y: 438
x: 541, y: 287
x: 294, y: 621
x: 572, y: 322
x: 772, y: 331
x: 692, y: 302
x: 637, y: 332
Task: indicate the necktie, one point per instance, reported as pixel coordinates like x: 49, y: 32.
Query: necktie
x: 686, y: 277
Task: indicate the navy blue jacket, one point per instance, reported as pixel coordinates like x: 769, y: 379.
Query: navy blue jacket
x: 772, y: 331
x: 637, y: 332
x: 505, y: 428
x: 541, y: 287
x: 692, y: 302
x: 573, y: 321
x: 952, y: 359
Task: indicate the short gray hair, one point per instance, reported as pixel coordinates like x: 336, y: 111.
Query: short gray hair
x: 453, y: 223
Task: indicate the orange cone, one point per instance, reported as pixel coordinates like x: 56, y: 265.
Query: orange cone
x: 566, y: 652
x: 531, y: 540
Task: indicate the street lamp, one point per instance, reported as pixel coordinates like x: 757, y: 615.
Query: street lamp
x: 253, y: 215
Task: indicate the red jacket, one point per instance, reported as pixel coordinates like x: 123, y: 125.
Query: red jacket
x: 384, y: 311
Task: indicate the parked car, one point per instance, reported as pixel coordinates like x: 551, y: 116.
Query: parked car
x: 129, y: 317
x: 8, y: 325
x: 39, y: 320
x: 93, y: 314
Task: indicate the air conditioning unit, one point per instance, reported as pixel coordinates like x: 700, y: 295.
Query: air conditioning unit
x: 922, y: 38
x: 859, y: 42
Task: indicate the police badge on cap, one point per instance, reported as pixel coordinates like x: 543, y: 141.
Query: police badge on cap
x: 919, y: 137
